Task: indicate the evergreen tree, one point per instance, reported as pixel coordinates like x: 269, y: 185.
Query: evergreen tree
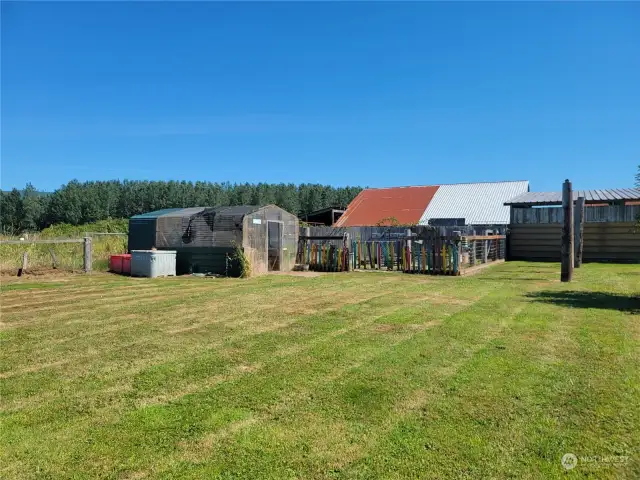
x: 11, y: 212
x: 77, y: 203
x: 32, y: 209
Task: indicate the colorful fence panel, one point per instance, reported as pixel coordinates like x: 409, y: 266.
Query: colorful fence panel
x: 409, y: 257
x: 323, y: 257
x: 421, y: 250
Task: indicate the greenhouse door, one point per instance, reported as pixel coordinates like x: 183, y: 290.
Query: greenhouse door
x: 274, y: 239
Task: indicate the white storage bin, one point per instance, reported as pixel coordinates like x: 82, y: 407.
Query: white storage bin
x: 153, y: 263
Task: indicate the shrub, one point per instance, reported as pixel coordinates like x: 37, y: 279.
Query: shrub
x: 243, y: 262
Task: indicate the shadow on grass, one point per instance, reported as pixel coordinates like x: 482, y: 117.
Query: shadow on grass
x: 499, y: 278
x: 610, y: 301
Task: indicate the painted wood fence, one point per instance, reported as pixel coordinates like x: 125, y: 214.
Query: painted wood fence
x: 417, y: 250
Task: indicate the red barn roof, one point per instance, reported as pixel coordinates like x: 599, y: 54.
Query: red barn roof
x: 372, y: 206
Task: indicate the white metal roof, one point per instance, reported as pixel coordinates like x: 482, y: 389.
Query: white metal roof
x: 477, y: 203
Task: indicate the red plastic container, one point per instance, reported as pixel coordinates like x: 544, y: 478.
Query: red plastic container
x: 126, y: 264
x: 120, y: 263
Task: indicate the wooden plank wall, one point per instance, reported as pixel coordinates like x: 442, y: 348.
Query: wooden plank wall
x: 545, y: 215
x: 603, y: 242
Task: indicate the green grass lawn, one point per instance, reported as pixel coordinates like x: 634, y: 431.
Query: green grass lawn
x: 361, y: 375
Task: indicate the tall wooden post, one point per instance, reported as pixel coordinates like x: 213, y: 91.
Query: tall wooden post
x: 347, y: 250
x: 566, y: 272
x: 306, y: 243
x: 408, y: 251
x: 25, y: 260
x: 54, y: 259
x: 472, y: 252
x: 87, y: 254
x: 579, y: 231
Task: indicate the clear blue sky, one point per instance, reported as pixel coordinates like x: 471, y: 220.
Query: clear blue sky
x: 376, y: 94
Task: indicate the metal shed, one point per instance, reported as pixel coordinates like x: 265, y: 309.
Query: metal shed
x: 205, y: 238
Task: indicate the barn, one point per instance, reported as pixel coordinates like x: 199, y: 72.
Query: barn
x: 610, y: 232
x: 477, y: 204
x: 206, y: 238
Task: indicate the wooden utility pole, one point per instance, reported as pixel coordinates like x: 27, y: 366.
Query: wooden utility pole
x: 566, y: 272
x: 408, y: 251
x: 579, y: 231
x: 347, y: 250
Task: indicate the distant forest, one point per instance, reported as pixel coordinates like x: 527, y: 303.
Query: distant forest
x: 77, y: 203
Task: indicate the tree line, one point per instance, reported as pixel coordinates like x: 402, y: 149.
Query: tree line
x: 77, y: 203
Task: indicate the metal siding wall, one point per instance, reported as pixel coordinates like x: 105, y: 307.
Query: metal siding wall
x: 535, y: 242
x: 142, y: 233
x: 205, y: 260
x: 603, y: 242
x: 611, y: 242
x: 612, y: 213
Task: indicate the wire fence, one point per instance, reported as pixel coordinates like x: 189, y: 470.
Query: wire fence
x: 478, y: 250
x: 37, y: 256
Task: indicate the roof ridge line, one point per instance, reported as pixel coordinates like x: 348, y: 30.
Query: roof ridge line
x: 444, y: 184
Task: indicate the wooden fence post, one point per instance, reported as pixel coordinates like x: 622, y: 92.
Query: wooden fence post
x: 54, y: 259
x: 347, y: 250
x: 408, y: 251
x: 472, y: 252
x: 87, y: 254
x: 25, y: 261
x: 566, y: 272
x: 579, y: 231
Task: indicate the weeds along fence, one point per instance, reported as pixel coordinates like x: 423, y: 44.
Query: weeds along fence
x: 40, y: 255
x: 420, y: 249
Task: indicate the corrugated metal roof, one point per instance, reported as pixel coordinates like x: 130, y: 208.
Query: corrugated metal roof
x: 183, y: 212
x: 590, y: 196
x: 156, y: 213
x: 477, y: 203
x: 405, y: 204
x: 187, y: 212
x: 237, y: 209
